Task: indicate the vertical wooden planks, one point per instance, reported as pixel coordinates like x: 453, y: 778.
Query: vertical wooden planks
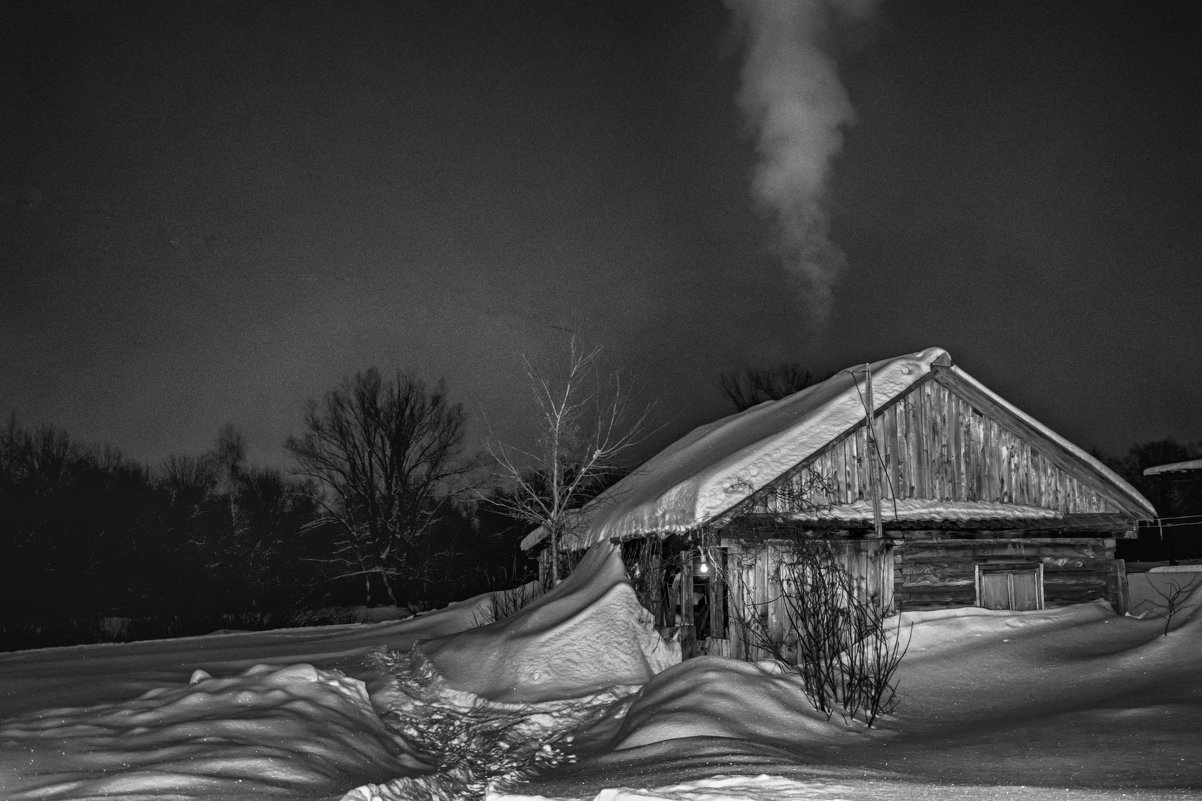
x: 688, y: 632
x: 911, y: 450
x: 979, y: 455
x: 890, y: 474
x: 922, y: 482
x: 716, y: 588
x: 957, y: 448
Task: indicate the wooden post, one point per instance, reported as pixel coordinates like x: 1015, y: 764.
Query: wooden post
x: 736, y: 600
x: 717, y: 595
x: 688, y: 631
x: 1122, y: 592
x: 874, y: 453
x: 655, y: 582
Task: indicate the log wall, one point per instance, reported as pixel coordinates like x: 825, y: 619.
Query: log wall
x: 933, y: 570
x: 753, y: 586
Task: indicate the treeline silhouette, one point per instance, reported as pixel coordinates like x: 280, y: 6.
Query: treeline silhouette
x: 95, y: 546
x: 1176, y: 535
x: 373, y: 511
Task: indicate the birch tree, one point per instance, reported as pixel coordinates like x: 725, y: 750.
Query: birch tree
x: 586, y: 421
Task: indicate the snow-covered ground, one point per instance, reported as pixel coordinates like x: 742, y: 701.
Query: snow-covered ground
x: 1069, y: 703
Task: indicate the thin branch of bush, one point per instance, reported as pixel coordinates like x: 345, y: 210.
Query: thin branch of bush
x: 505, y: 603
x: 837, y: 641
x: 1174, y: 599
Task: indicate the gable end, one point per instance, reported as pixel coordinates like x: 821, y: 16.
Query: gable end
x: 944, y: 441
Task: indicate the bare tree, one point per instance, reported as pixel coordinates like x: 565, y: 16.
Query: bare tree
x: 749, y: 387
x: 385, y: 456
x: 1174, y: 599
x: 587, y: 421
x: 228, y: 458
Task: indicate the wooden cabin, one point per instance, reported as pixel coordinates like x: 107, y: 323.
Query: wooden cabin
x: 929, y: 489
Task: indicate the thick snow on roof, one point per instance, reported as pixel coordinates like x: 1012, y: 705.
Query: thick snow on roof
x: 716, y: 466
x: 1175, y: 467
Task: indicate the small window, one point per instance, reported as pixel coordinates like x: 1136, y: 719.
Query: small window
x: 1010, y: 586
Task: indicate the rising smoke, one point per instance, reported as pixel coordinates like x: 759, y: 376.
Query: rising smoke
x: 792, y: 98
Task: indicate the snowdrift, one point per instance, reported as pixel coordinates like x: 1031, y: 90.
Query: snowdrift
x: 119, y: 671
x: 588, y: 634
x: 715, y: 697
x: 268, y: 733
x: 1064, y: 698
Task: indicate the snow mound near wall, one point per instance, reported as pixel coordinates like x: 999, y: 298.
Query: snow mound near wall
x: 716, y: 697
x: 585, y: 635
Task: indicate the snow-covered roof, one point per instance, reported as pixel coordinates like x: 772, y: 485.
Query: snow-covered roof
x: 716, y: 466
x: 1175, y: 467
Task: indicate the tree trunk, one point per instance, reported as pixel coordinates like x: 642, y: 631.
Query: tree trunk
x: 387, y: 587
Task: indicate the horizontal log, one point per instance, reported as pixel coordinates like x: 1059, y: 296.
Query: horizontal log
x: 1085, y: 567
x: 963, y: 549
x: 1073, y: 581
x: 935, y: 581
x: 1054, y: 558
x: 909, y: 538
x: 1049, y: 562
x: 1066, y: 599
x: 921, y: 600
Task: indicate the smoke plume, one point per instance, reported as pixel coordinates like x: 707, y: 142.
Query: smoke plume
x: 792, y: 98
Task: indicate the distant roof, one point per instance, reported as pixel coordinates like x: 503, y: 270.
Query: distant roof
x: 716, y: 466
x: 1175, y: 467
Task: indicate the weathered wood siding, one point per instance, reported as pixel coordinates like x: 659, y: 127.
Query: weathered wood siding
x: 934, y: 570
x: 754, y: 587
x: 935, y: 445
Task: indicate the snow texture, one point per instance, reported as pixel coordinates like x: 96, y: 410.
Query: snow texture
x: 269, y: 732
x: 714, y: 467
x: 1070, y: 704
x: 714, y: 697
x: 587, y: 634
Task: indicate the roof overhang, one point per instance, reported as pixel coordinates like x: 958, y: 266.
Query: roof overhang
x: 1175, y: 467
x: 703, y: 477
x: 963, y: 522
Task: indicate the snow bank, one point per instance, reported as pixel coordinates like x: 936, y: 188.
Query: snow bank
x: 36, y: 679
x: 268, y: 733
x: 585, y: 635
x: 1075, y: 697
x: 716, y: 788
x: 495, y: 703
x: 715, y: 697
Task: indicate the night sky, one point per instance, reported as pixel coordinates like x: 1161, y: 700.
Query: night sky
x: 213, y: 211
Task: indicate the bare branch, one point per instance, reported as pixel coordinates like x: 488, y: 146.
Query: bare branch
x: 587, y: 422
x: 385, y: 457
